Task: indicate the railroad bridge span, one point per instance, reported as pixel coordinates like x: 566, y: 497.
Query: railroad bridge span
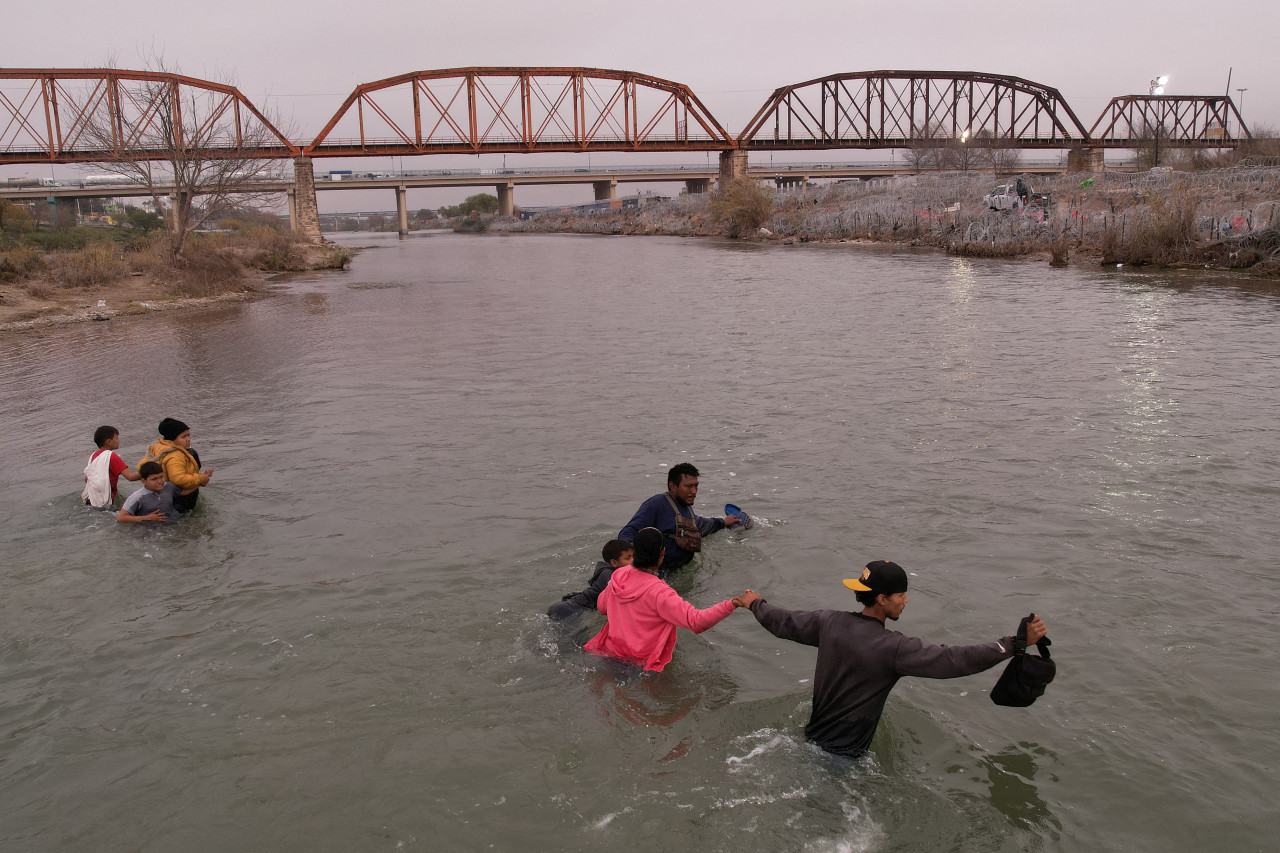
x: 104, y: 115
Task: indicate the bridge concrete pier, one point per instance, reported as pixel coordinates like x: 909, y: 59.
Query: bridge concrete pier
x: 402, y: 210
x: 304, y: 213
x: 1085, y: 160
x: 63, y: 213
x: 506, y: 199
x: 605, y: 190
x: 697, y: 186
x: 733, y: 164
x: 791, y: 182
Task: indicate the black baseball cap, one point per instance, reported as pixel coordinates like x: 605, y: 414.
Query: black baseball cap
x: 881, y: 577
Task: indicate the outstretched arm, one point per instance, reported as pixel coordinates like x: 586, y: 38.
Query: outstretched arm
x: 677, y: 611
x: 801, y: 626
x: 122, y: 469
x: 707, y: 526
x: 915, y: 657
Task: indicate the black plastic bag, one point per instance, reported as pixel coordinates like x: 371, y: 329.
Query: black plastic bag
x: 1025, y: 678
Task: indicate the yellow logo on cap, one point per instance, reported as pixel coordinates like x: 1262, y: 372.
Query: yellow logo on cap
x: 859, y: 584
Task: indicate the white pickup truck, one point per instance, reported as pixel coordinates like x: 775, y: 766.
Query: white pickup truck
x: 1015, y: 196
x: 1006, y: 197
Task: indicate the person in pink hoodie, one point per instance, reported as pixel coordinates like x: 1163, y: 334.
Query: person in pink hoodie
x: 644, y: 612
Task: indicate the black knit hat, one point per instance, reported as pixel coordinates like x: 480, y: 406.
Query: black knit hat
x: 171, y: 428
x: 649, y: 543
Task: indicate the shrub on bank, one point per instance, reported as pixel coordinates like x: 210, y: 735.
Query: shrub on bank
x: 986, y: 249
x: 470, y: 225
x: 95, y: 264
x: 273, y: 250
x: 336, y: 258
x: 15, y: 219
x: 20, y: 262
x: 1166, y: 235
x: 205, y: 269
x: 1059, y: 251
x: 742, y: 206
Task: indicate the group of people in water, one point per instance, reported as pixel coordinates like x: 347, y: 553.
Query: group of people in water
x: 859, y: 658
x: 169, y: 472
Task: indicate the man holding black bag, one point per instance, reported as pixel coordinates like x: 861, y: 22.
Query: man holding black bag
x: 860, y: 660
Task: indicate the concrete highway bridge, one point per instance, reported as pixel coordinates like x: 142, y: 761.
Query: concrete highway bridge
x: 114, y: 116
x: 604, y: 180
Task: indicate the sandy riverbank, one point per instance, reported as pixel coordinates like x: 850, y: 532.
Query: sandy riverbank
x: 19, y: 310
x: 42, y: 301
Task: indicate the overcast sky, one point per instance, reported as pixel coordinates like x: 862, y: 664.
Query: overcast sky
x: 303, y: 59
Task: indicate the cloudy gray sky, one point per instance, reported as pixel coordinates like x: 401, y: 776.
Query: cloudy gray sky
x: 303, y: 59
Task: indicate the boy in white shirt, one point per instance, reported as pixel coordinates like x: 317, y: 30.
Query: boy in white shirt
x: 105, y: 468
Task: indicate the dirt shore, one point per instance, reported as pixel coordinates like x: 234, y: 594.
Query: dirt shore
x: 20, y: 310
x: 24, y: 306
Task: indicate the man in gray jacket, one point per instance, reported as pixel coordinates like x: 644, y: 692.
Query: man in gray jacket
x: 860, y: 660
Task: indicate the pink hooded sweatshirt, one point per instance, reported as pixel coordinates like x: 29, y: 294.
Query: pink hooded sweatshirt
x: 643, y: 616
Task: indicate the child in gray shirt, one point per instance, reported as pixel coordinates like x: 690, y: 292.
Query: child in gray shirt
x: 154, y: 501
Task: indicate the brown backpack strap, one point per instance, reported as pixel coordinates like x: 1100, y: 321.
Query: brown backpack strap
x: 690, y: 540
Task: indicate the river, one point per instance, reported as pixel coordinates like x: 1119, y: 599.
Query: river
x: 344, y: 647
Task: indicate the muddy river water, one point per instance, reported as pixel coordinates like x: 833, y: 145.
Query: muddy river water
x: 344, y: 647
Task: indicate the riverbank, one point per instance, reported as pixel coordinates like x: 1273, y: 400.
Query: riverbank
x: 1220, y: 219
x: 103, y: 280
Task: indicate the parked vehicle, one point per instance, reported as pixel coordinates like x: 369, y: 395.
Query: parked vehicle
x: 1007, y: 196
x: 1015, y: 196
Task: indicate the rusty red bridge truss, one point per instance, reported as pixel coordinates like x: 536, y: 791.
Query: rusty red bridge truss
x: 474, y: 110
x: 1185, y: 121
x: 97, y: 114
x: 894, y: 109
x: 101, y: 114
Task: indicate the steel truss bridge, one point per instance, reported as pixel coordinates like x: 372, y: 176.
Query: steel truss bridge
x: 104, y: 114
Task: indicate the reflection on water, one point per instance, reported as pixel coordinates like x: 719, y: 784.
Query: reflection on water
x: 345, y: 646
x: 1012, y: 775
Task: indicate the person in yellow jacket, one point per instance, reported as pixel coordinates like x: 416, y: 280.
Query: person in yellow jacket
x: 181, y: 464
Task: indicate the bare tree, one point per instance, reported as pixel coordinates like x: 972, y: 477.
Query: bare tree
x: 924, y: 149
x: 960, y: 155
x: 199, y: 148
x: 1147, y: 140
x: 996, y: 153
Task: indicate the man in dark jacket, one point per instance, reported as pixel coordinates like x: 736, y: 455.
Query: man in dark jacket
x: 860, y: 660
x: 672, y: 513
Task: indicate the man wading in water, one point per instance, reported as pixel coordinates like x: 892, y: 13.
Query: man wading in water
x: 860, y: 660
x: 672, y: 513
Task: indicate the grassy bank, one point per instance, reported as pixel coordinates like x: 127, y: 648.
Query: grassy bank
x: 46, y: 273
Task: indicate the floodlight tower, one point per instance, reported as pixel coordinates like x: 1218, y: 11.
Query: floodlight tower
x: 1157, y: 88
